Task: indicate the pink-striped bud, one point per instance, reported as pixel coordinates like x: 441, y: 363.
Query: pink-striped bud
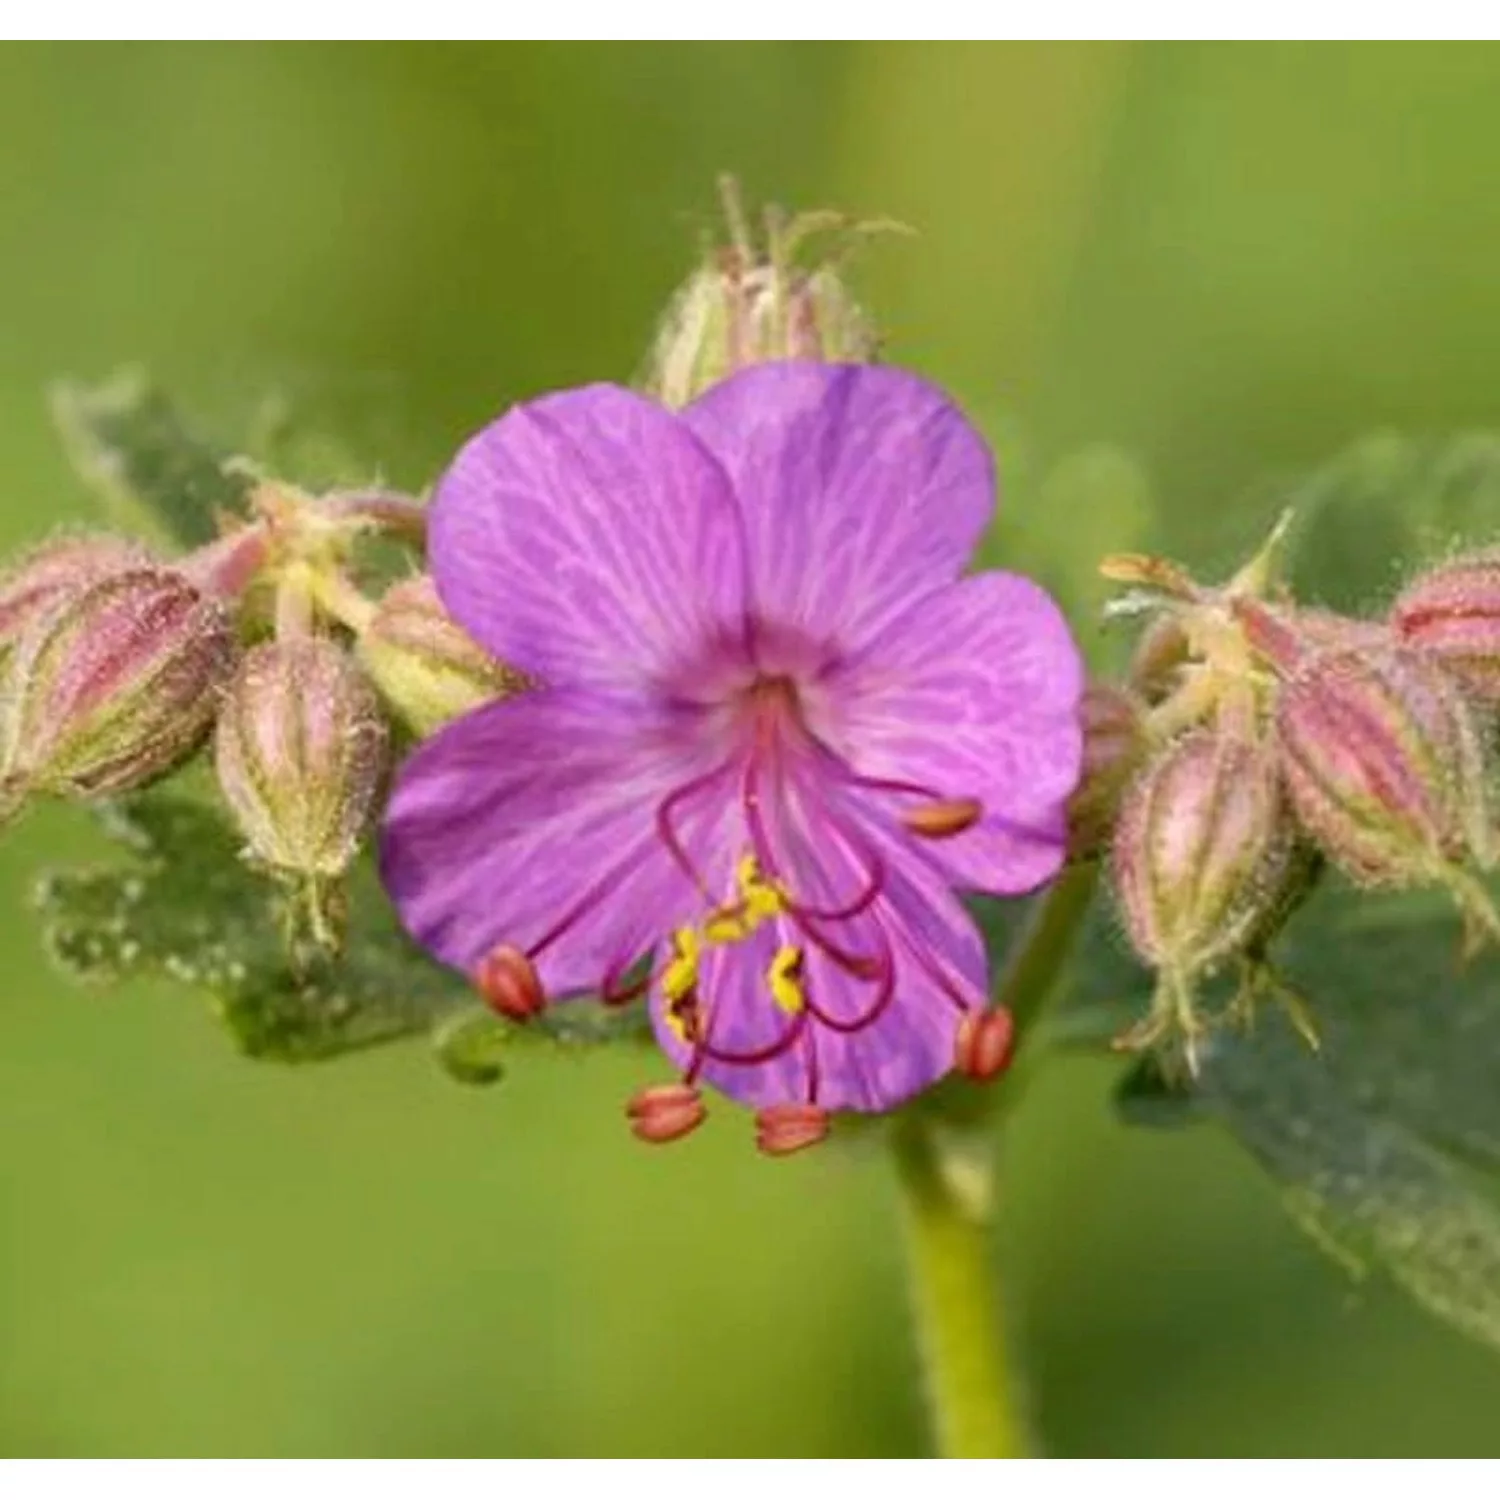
x: 1382, y: 764
x: 428, y: 668
x: 1328, y: 630
x: 113, y: 685
x: 1452, y: 614
x: 300, y: 751
x: 1200, y: 850
x: 57, y: 570
x: 750, y: 303
x: 1200, y: 861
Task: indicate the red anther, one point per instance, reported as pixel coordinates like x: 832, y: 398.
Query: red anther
x: 945, y: 818
x: 665, y: 1112
x: 982, y: 1049
x: 508, y: 982
x: 782, y: 1129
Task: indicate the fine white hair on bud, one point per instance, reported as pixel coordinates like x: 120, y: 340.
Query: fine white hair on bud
x: 113, y: 685
x: 300, y: 752
x: 750, y: 302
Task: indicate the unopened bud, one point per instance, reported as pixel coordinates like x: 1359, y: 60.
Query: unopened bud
x: 1382, y: 762
x: 745, y: 306
x: 1328, y: 630
x: 426, y: 666
x: 1452, y: 614
x: 1199, y: 858
x: 1115, y: 740
x: 300, y: 750
x: 113, y: 686
x: 57, y: 569
x: 1198, y: 850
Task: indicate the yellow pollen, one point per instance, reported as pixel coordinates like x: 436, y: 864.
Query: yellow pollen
x: 680, y: 977
x: 726, y: 924
x: 760, y: 898
x: 785, y: 979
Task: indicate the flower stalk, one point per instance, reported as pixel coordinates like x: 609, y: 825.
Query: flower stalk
x: 972, y: 1389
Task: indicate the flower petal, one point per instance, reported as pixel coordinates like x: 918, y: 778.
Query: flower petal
x: 867, y: 1039
x: 588, y: 538
x: 537, y: 811
x: 975, y: 695
x: 863, y: 490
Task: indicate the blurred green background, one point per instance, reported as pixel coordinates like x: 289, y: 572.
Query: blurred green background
x: 1225, y: 260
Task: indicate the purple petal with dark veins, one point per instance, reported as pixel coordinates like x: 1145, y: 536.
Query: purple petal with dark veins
x: 863, y: 490
x: 589, y: 539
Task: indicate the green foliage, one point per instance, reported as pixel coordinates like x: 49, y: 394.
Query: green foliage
x: 182, y: 904
x: 149, y: 470
x: 1387, y: 504
x: 1387, y: 1139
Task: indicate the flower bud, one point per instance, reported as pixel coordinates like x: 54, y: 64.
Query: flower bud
x: 113, y: 685
x: 1383, y: 767
x: 735, y: 312
x: 1287, y: 637
x: 1115, y: 739
x: 57, y: 569
x: 1452, y: 614
x: 1199, y: 860
x: 427, y: 667
x: 1199, y: 850
x: 299, y: 750
x: 1325, y: 629
x: 746, y: 305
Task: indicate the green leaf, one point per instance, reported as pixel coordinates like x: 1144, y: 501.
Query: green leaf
x: 1151, y: 1095
x: 148, y: 469
x: 1387, y: 504
x: 1386, y: 1142
x: 182, y: 904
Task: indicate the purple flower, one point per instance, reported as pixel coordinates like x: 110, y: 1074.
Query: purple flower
x: 777, y: 731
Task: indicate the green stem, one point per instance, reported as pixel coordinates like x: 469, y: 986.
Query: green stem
x: 1036, y: 959
x: 972, y: 1391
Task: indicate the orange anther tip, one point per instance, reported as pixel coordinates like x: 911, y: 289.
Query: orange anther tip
x: 508, y: 982
x: 782, y: 1129
x: 982, y: 1050
x: 944, y: 819
x: 666, y: 1112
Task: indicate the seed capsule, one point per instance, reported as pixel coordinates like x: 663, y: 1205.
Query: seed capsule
x: 1452, y: 614
x: 300, y: 751
x: 426, y: 666
x: 113, y: 686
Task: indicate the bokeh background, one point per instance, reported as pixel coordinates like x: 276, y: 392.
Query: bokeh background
x: 1222, y: 262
